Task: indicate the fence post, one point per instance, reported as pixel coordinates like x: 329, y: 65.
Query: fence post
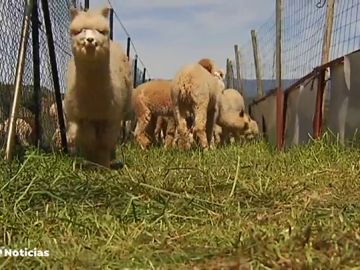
x: 229, y: 74
x: 36, y: 71
x: 260, y: 88
x: 87, y: 4
x: 135, y: 71
x: 279, y: 91
x: 18, y: 80
x: 321, y: 93
x: 240, y: 85
x: 54, y: 71
x: 144, y: 75
x: 128, y: 47
x: 111, y: 22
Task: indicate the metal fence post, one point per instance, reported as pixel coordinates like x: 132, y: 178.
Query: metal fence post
x: 36, y: 71
x: 144, y: 75
x: 128, y: 47
x: 54, y: 71
x: 111, y: 18
x: 18, y: 80
x: 87, y: 4
x: 135, y: 70
x: 279, y: 91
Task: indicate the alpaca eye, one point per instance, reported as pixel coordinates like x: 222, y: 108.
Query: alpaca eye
x: 103, y: 32
x: 76, y: 32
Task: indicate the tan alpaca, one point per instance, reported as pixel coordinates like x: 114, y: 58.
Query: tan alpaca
x: 231, y: 117
x: 99, y: 86
x: 24, y: 132
x: 56, y: 138
x: 196, y: 89
x: 150, y: 101
x: 165, y: 131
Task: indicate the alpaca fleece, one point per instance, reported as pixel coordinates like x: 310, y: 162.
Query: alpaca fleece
x: 98, y: 88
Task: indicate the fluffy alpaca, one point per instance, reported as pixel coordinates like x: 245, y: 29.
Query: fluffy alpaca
x: 24, y: 132
x: 150, y: 101
x: 165, y: 131
x: 231, y: 116
x: 196, y: 89
x: 253, y: 130
x: 99, y: 86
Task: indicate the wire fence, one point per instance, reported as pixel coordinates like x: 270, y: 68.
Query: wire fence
x: 303, y: 26
x: 12, y: 11
x: 36, y: 104
x: 320, y: 80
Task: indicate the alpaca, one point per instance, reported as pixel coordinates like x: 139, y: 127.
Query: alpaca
x: 231, y: 117
x: 98, y: 87
x: 24, y: 132
x: 150, y: 101
x: 196, y: 89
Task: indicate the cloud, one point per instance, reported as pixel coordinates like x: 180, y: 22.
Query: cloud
x: 169, y: 34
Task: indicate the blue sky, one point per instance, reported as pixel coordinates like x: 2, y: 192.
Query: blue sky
x: 169, y: 34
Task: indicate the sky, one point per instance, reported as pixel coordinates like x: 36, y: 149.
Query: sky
x: 170, y: 34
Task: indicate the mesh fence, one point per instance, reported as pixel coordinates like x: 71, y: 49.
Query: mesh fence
x: 346, y: 29
x: 11, y: 17
x: 122, y: 37
x: 303, y: 26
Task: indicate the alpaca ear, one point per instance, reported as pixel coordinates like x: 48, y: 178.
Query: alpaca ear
x: 105, y: 12
x: 207, y: 64
x: 73, y: 13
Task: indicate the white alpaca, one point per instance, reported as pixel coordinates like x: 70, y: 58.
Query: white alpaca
x: 99, y: 86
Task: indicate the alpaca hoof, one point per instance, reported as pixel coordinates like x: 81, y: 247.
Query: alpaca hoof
x: 116, y: 165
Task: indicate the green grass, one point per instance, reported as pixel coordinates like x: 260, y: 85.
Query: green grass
x: 175, y: 210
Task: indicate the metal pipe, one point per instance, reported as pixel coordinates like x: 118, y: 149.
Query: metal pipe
x: 36, y: 71
x: 18, y: 80
x: 54, y: 71
x: 135, y: 71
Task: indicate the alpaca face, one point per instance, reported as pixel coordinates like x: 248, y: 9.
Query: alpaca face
x: 90, y: 34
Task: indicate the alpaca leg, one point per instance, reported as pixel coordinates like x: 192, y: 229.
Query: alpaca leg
x: 200, y: 112
x: 170, y: 132
x: 106, y: 135
x: 183, y: 132
x: 140, y: 130
x: 85, y: 139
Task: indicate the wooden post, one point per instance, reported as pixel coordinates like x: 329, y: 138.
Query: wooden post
x: 279, y: 91
x: 329, y: 23
x: 240, y: 85
x: 18, y: 80
x: 325, y: 57
x: 229, y: 74
x: 260, y: 88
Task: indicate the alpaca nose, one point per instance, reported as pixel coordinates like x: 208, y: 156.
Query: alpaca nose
x: 90, y: 39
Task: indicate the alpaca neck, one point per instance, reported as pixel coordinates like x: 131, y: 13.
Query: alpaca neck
x: 92, y: 71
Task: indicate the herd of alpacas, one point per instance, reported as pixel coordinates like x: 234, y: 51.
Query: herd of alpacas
x: 192, y: 109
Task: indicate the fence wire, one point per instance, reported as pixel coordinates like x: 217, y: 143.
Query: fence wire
x: 346, y: 29
x: 303, y: 26
x: 303, y: 32
x: 11, y: 16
